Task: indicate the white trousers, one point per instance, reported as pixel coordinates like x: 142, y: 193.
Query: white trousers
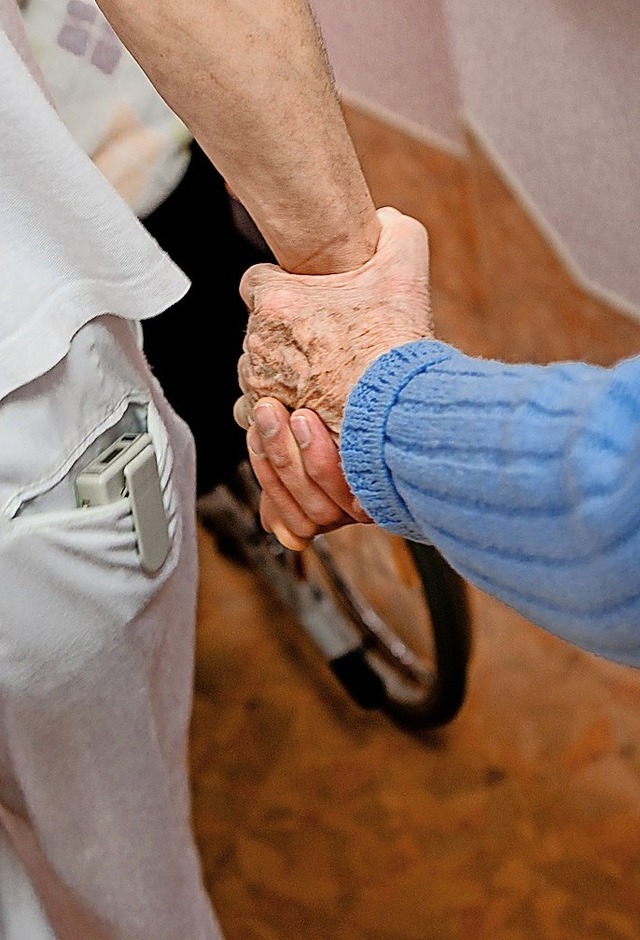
x: 96, y: 664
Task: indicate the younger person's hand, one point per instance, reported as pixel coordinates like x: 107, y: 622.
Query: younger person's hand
x: 297, y: 464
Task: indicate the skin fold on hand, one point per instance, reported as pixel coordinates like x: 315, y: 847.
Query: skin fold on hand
x: 310, y: 337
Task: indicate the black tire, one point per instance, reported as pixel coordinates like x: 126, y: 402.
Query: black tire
x: 419, y: 680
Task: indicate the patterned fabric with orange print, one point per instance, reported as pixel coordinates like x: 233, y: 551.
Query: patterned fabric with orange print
x: 107, y: 102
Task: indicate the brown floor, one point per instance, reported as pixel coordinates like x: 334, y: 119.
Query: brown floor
x: 518, y: 821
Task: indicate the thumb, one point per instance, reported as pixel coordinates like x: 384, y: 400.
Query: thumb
x: 403, y: 236
x: 255, y: 277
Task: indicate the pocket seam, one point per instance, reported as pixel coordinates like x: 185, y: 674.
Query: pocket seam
x: 54, y: 475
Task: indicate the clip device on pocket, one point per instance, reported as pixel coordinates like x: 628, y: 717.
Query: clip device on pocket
x: 128, y: 469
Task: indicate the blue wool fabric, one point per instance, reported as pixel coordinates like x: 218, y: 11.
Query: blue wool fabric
x: 525, y: 477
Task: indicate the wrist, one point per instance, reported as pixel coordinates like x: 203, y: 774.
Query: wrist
x: 339, y: 245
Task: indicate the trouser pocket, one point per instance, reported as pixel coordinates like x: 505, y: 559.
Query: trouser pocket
x: 96, y: 653
x: 74, y: 575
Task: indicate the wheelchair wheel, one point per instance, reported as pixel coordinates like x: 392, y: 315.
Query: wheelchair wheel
x: 408, y: 609
x: 389, y: 616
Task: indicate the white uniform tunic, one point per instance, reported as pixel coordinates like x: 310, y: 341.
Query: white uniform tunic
x: 96, y: 654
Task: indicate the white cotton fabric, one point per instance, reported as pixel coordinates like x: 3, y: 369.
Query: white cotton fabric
x: 70, y: 248
x: 96, y: 654
x: 96, y: 661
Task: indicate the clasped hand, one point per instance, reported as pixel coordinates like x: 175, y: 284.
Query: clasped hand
x: 308, y: 341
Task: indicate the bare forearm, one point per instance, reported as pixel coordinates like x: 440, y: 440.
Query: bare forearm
x: 251, y: 80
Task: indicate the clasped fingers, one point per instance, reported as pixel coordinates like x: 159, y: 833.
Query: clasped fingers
x: 297, y: 464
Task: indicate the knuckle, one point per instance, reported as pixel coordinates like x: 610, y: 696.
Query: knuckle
x: 244, y: 364
x: 307, y: 529
x: 251, y: 344
x: 241, y: 413
x: 279, y: 458
x: 323, y: 468
x: 325, y: 515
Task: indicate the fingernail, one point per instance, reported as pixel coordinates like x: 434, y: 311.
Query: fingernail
x: 265, y: 418
x: 253, y: 442
x: 300, y: 428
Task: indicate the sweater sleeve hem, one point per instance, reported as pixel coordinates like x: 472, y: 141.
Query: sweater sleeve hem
x: 363, y: 433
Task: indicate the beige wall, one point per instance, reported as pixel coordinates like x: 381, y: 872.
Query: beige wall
x: 392, y: 57
x: 550, y: 91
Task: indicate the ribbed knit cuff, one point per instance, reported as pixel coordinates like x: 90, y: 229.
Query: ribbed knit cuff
x: 363, y: 433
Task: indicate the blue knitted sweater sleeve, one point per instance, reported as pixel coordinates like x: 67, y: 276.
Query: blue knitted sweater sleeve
x: 525, y: 477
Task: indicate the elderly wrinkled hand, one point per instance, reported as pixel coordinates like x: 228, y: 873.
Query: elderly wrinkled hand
x: 310, y: 338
